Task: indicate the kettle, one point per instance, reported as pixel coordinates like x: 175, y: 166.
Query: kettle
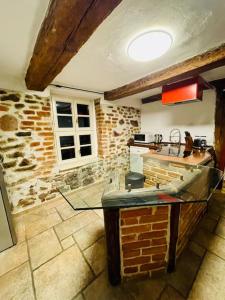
x: 158, y: 138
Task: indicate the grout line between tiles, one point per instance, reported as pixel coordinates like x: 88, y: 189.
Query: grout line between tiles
x: 91, y: 281
x: 48, y: 260
x: 13, y: 269
x: 162, y: 291
x: 39, y: 232
x: 58, y: 238
x: 93, y: 273
x: 99, y: 238
x: 31, y: 271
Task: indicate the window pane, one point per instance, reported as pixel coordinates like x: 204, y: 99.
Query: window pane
x: 83, y: 122
x: 66, y: 141
x: 84, y: 151
x: 65, y: 122
x: 68, y: 153
x: 85, y: 139
x: 82, y: 109
x: 63, y: 108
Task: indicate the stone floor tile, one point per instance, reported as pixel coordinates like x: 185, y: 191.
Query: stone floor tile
x: 197, y: 249
x: 96, y: 256
x: 208, y: 223
x: 93, y: 199
x: 43, y: 247
x: 99, y: 212
x: 184, y: 275
x: 17, y: 284
x: 42, y: 224
x: 66, y: 211
x: 147, y: 289
x: 79, y: 297
x: 67, y: 242
x: 210, y: 282
x: 77, y: 203
x: 220, y: 229
x: 63, y: 277
x: 19, y: 227
x: 55, y: 202
x: 170, y: 293
x: 217, y: 209
x: 75, y: 223
x: 37, y: 213
x: 213, y: 215
x: 211, y: 242
x: 89, y: 234
x: 13, y: 257
x: 85, y: 192
x: 100, y: 289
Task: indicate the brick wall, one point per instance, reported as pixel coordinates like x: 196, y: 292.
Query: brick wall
x: 27, y: 147
x: 115, y: 126
x: 155, y: 173
x: 190, y: 215
x: 144, y: 239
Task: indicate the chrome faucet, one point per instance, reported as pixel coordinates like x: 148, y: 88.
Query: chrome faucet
x: 175, y: 136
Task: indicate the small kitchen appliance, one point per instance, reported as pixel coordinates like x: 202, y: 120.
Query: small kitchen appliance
x: 158, y: 138
x: 143, y: 137
x: 199, y: 142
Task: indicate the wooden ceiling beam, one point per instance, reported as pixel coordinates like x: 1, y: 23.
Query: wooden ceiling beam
x: 66, y: 27
x: 194, y: 66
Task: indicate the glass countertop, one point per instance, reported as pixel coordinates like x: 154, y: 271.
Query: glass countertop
x: 188, y: 183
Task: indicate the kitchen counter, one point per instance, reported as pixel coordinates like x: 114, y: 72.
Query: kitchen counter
x: 194, y: 159
x: 147, y: 229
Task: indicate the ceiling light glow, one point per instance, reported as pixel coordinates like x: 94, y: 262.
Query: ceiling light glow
x: 149, y: 45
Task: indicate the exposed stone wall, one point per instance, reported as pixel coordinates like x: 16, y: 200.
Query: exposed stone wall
x: 144, y: 240
x: 115, y: 126
x: 27, y: 147
x: 190, y: 215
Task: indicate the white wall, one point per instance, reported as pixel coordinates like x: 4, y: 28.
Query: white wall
x: 197, y: 117
x: 128, y: 101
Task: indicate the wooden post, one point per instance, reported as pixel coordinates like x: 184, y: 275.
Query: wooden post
x: 111, y: 219
x: 220, y: 129
x: 174, y: 229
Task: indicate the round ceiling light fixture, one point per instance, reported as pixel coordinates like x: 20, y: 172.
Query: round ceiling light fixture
x: 149, y: 45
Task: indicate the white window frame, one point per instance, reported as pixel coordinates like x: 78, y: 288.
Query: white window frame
x: 75, y: 131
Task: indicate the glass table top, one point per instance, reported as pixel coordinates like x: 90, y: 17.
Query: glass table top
x: 188, y: 184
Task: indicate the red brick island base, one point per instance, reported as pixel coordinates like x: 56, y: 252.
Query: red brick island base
x: 145, y: 241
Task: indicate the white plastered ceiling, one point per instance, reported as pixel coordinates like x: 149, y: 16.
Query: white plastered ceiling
x: 102, y: 63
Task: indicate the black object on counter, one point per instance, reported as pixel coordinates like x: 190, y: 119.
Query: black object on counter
x: 200, y: 141
x: 136, y: 180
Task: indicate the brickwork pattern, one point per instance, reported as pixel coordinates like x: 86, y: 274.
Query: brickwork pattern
x: 157, y: 175
x: 27, y: 147
x: 190, y: 215
x: 144, y: 239
x: 115, y: 126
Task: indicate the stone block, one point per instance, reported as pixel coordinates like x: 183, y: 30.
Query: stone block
x: 10, y: 97
x: 9, y: 164
x: 26, y: 168
x: 23, y: 133
x: 19, y: 105
x: 88, y: 180
x: 26, y: 202
x: 8, y: 123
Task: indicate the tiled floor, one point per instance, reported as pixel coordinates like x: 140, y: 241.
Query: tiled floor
x: 61, y: 255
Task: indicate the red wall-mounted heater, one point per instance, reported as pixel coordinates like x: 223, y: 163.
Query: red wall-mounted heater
x: 189, y: 90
